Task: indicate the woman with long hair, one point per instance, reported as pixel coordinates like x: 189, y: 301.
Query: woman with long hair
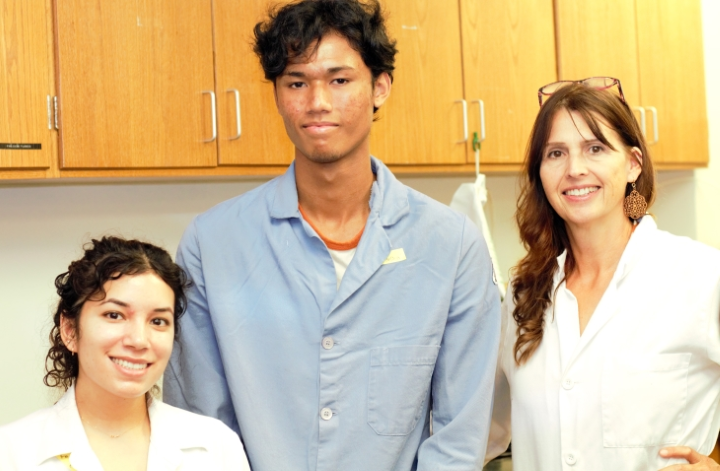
x: 611, y: 348
x: 113, y: 332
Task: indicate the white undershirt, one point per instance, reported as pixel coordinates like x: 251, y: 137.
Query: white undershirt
x: 341, y: 259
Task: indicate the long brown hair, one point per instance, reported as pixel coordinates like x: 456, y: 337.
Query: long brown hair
x: 542, y: 230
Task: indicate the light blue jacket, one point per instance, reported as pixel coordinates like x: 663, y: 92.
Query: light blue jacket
x: 409, y: 336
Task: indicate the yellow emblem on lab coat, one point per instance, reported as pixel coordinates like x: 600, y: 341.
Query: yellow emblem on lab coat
x: 65, y: 459
x: 397, y: 255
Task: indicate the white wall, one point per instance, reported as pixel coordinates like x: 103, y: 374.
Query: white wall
x: 42, y: 228
x: 707, y: 181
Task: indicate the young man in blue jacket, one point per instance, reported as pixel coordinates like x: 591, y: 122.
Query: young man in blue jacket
x: 333, y: 307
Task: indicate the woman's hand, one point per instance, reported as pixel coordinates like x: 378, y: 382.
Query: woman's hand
x: 696, y: 461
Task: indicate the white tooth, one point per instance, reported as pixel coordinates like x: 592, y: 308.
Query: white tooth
x: 581, y: 191
x: 129, y: 365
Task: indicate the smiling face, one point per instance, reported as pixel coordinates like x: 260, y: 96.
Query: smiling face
x: 585, y: 180
x: 326, y: 102
x: 124, y: 340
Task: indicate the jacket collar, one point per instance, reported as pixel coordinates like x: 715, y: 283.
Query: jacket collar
x: 390, y: 197
x: 171, y: 432
x: 389, y: 200
x: 640, y: 240
x: 63, y: 433
x: 285, y: 203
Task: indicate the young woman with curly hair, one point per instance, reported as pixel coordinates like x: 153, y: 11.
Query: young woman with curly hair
x: 112, y: 337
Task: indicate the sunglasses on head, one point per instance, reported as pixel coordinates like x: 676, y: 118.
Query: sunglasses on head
x: 599, y: 83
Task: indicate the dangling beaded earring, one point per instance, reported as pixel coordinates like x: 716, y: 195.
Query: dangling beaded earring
x: 635, y: 205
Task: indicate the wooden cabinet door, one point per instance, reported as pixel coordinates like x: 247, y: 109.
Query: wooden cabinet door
x: 598, y: 38
x: 250, y: 129
x: 508, y: 53
x: 131, y: 81
x: 421, y: 123
x: 672, y: 79
x: 26, y: 136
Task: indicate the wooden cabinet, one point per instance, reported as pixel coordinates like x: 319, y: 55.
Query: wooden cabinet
x: 162, y: 88
x: 508, y: 53
x: 164, y: 84
x: 598, y: 39
x: 250, y: 129
x: 422, y: 121
x: 672, y: 79
x: 655, y: 48
x: 27, y: 136
x: 497, y: 52
x: 135, y: 84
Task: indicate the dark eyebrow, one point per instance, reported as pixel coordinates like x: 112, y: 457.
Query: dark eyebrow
x: 334, y: 70
x: 294, y: 74
x: 587, y: 141
x: 163, y: 309
x: 115, y: 301
x: 126, y: 305
x: 331, y: 70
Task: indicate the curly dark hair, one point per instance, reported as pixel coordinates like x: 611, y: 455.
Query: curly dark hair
x: 106, y: 259
x: 542, y: 230
x: 290, y: 30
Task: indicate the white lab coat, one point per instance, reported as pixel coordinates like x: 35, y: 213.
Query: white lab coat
x: 179, y: 440
x: 644, y: 374
x: 469, y: 199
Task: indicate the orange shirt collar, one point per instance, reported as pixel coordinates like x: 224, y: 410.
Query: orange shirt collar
x: 332, y: 244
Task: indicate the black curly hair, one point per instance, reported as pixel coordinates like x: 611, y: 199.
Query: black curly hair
x: 106, y: 259
x: 290, y: 30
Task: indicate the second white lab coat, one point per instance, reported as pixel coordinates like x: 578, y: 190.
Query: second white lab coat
x: 644, y: 374
x: 469, y: 199
x: 179, y: 440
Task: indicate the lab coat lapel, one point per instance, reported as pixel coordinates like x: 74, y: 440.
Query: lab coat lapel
x: 605, y: 311
x: 388, y: 204
x: 611, y: 303
x: 566, y: 319
x: 59, y: 433
x: 64, y: 433
x: 372, y: 251
x: 167, y: 438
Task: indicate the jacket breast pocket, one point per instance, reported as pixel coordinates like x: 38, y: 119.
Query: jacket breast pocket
x: 644, y: 399
x: 397, y: 386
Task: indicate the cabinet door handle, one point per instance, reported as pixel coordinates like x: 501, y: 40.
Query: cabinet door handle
x: 641, y: 110
x: 49, y: 111
x: 238, y: 124
x: 56, y: 112
x: 656, y: 136
x: 481, y: 105
x: 465, y: 120
x: 214, y: 118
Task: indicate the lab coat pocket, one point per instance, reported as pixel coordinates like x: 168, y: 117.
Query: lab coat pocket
x: 397, y: 386
x: 643, y: 399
